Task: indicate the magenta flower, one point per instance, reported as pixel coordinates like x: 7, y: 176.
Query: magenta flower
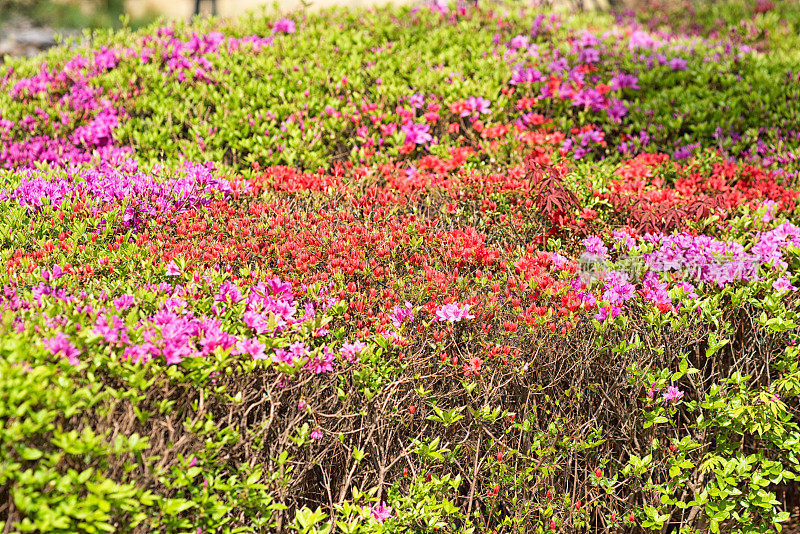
x: 253, y: 347
x: 175, y: 352
x: 256, y: 321
x: 60, y: 345
x: 416, y: 100
x: 453, y: 313
x: 783, y: 284
x: 228, y: 293
x: 283, y: 356
x: 316, y: 434
x: 607, y: 312
x: 380, y: 512
x: 624, y: 81
x: 519, y: 41
x: 521, y: 75
x: 769, y: 215
x: 616, y: 110
x: 416, y: 133
x: 351, y: 350
x: 678, y: 63
x: 672, y: 394
x: 298, y: 349
x: 112, y: 329
x: 322, y: 363
x: 320, y: 332
x: 477, y: 105
x: 399, y: 315
x: 123, y: 302
x: 173, y: 269
x: 284, y: 26
x: 594, y: 246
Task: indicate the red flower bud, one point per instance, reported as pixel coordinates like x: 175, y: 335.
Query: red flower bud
x: 613, y: 517
x: 412, y: 409
x: 548, y: 495
x: 598, y: 472
x: 552, y: 524
x: 673, y: 448
x: 405, y: 471
x: 499, y: 456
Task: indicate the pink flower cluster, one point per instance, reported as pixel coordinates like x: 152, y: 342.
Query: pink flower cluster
x: 402, y: 314
x: 453, y: 313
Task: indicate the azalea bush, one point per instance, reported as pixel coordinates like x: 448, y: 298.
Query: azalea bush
x: 446, y: 268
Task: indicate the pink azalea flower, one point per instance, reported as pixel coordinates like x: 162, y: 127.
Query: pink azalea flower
x: 783, y: 284
x: 351, y: 350
x: 283, y: 356
x: 253, y: 347
x: 399, y: 315
x: 769, y: 216
x: 60, y: 344
x: 173, y: 269
x: 453, y: 313
x: 380, y: 512
x: 124, y: 302
x: 298, y: 349
x: 672, y: 394
x: 416, y: 133
x: 322, y: 363
x: 320, y: 332
x: 256, y: 321
x: 605, y: 313
x: 316, y: 434
x: 284, y: 26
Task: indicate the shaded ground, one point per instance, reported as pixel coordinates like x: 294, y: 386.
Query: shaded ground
x: 20, y: 37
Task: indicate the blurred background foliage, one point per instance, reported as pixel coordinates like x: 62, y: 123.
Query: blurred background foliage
x: 70, y: 14
x: 693, y: 16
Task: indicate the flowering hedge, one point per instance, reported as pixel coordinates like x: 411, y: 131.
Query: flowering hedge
x: 446, y: 268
